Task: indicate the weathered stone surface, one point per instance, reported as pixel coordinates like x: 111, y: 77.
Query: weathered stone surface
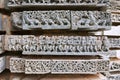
x: 16, y: 3
x: 17, y: 65
x: 114, y: 77
x: 2, y: 43
x: 2, y: 3
x: 91, y: 20
x: 2, y: 64
x: 16, y: 19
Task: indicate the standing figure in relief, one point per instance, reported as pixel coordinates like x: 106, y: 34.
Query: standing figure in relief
x: 106, y: 44
x: 99, y: 43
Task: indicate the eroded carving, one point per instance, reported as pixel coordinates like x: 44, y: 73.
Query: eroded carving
x: 14, y: 2
x: 16, y: 19
x: 90, y: 20
x: 17, y: 65
x: 2, y: 64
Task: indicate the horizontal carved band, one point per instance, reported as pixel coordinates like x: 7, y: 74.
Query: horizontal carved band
x: 16, y: 3
x: 40, y: 66
x: 2, y: 64
x: 91, y: 20
x: 57, y: 44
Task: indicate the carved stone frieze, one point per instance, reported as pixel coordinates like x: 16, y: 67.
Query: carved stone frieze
x: 13, y: 43
x: 16, y: 3
x: 74, y: 66
x: 63, y: 19
x: 2, y: 64
x: 58, y: 66
x: 17, y: 65
x: 115, y: 42
x: 91, y: 20
x: 115, y: 17
x: 31, y: 44
x: 37, y: 66
x: 46, y: 19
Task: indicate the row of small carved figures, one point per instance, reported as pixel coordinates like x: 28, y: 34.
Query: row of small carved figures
x: 30, y: 2
x: 58, y: 66
x: 61, y: 19
x: 58, y: 43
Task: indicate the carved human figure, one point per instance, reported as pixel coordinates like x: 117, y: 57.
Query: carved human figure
x: 106, y: 44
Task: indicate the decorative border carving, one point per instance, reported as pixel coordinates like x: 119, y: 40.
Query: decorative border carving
x: 57, y: 66
x: 21, y: 3
x: 63, y: 19
x: 114, y: 66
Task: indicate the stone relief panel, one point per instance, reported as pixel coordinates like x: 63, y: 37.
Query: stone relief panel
x: 115, y: 42
x: 114, y: 66
x: 37, y: 66
x: 91, y: 20
x: 46, y: 19
x: 2, y: 64
x: 31, y: 44
x: 16, y: 19
x: 13, y: 43
x: 17, y: 65
x: 58, y: 66
x: 115, y: 17
x: 84, y: 20
x: 56, y: 2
